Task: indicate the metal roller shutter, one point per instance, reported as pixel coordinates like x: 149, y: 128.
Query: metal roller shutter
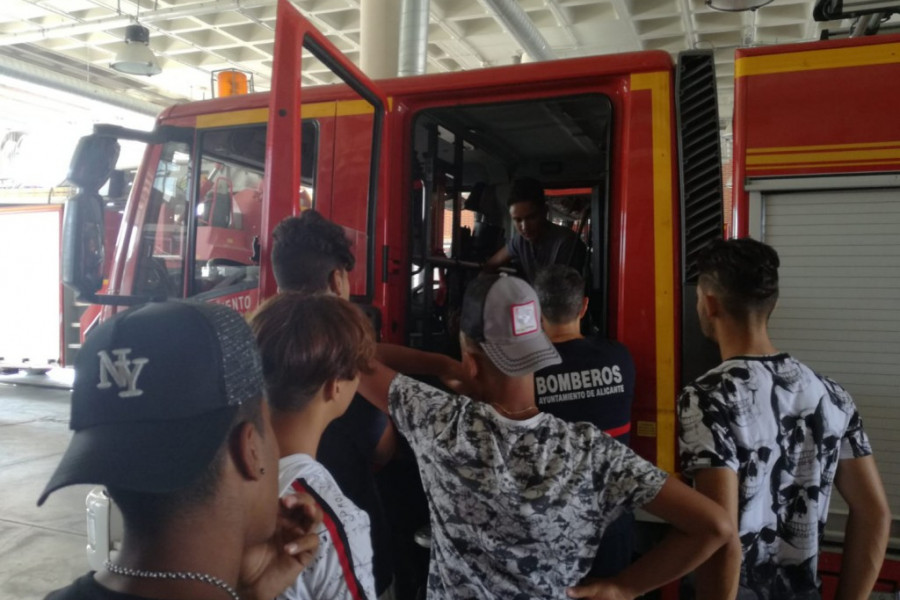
x: 839, y: 309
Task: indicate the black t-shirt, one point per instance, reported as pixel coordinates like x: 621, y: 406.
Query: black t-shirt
x: 593, y: 383
x: 347, y: 449
x: 86, y: 588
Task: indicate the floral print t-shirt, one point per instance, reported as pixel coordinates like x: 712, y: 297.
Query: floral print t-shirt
x: 517, y: 507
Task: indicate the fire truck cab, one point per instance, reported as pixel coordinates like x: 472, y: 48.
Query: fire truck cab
x: 417, y: 171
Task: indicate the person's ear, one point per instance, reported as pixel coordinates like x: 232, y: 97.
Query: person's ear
x: 584, y: 306
x: 711, y: 304
x: 469, y: 364
x: 334, y: 282
x: 331, y: 389
x: 247, y: 450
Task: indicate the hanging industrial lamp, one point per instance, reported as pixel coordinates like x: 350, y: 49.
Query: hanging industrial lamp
x: 136, y: 57
x: 736, y: 5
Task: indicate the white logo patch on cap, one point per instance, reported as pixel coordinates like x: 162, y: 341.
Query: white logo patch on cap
x: 124, y: 372
x: 524, y: 318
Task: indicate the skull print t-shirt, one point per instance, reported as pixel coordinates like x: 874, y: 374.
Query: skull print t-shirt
x: 782, y: 428
x: 517, y: 507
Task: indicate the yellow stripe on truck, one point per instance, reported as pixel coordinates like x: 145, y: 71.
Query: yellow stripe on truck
x: 664, y: 262
x: 825, y: 147
x: 812, y: 60
x: 235, y: 117
x: 315, y: 110
x: 829, y: 157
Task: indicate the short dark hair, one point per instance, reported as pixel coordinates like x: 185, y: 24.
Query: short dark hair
x: 306, y: 250
x: 144, y: 513
x: 526, y: 189
x: 743, y: 273
x: 560, y: 290
x: 305, y: 341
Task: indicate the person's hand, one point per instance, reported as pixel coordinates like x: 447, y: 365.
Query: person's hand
x: 269, y: 568
x: 599, y: 589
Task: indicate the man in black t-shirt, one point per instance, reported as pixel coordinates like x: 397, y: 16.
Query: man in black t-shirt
x: 593, y: 383
x: 537, y: 241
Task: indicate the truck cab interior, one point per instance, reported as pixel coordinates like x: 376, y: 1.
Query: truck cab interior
x: 465, y: 159
x: 215, y: 208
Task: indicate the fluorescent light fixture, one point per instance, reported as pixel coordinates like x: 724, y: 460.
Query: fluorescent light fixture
x: 736, y: 5
x: 136, y: 57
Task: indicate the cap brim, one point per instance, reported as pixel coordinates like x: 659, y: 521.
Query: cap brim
x: 153, y: 457
x: 522, y: 356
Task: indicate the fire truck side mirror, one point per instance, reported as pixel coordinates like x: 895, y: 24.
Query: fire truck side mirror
x: 82, y: 244
x: 93, y: 162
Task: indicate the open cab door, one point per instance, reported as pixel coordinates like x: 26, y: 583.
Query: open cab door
x: 294, y: 35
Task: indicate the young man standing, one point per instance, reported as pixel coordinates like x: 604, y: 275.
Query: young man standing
x: 537, y: 242
x: 519, y: 499
x: 593, y: 383
x: 313, y: 348
x: 167, y: 413
x: 767, y: 438
x: 312, y: 255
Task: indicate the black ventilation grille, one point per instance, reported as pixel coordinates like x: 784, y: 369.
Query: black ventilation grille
x: 700, y: 163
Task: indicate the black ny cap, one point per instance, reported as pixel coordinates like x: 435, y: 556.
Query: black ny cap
x: 156, y: 390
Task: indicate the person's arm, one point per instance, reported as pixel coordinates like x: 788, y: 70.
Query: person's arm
x: 418, y: 362
x: 500, y: 258
x: 868, y: 526
x: 387, y: 445
x: 699, y: 528
x: 375, y: 385
x: 719, y: 576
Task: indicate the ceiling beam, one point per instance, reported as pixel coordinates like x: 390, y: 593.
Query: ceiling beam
x: 563, y: 21
x: 519, y: 25
x: 626, y: 18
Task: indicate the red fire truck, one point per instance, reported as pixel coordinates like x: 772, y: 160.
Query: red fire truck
x: 627, y: 147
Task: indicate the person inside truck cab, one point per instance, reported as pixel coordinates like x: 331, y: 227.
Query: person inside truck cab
x: 519, y: 498
x: 767, y: 438
x: 168, y: 414
x: 537, y: 242
x: 312, y: 255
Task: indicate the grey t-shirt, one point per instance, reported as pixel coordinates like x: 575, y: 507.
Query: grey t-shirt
x: 557, y: 246
x: 517, y: 507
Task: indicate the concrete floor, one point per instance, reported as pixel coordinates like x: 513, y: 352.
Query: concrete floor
x: 41, y: 549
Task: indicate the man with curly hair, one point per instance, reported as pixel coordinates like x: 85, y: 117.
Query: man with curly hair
x: 311, y: 254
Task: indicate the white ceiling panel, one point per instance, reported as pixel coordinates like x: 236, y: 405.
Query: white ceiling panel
x: 193, y: 38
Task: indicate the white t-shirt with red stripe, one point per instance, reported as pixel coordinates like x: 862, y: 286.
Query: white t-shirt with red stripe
x: 342, y: 568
